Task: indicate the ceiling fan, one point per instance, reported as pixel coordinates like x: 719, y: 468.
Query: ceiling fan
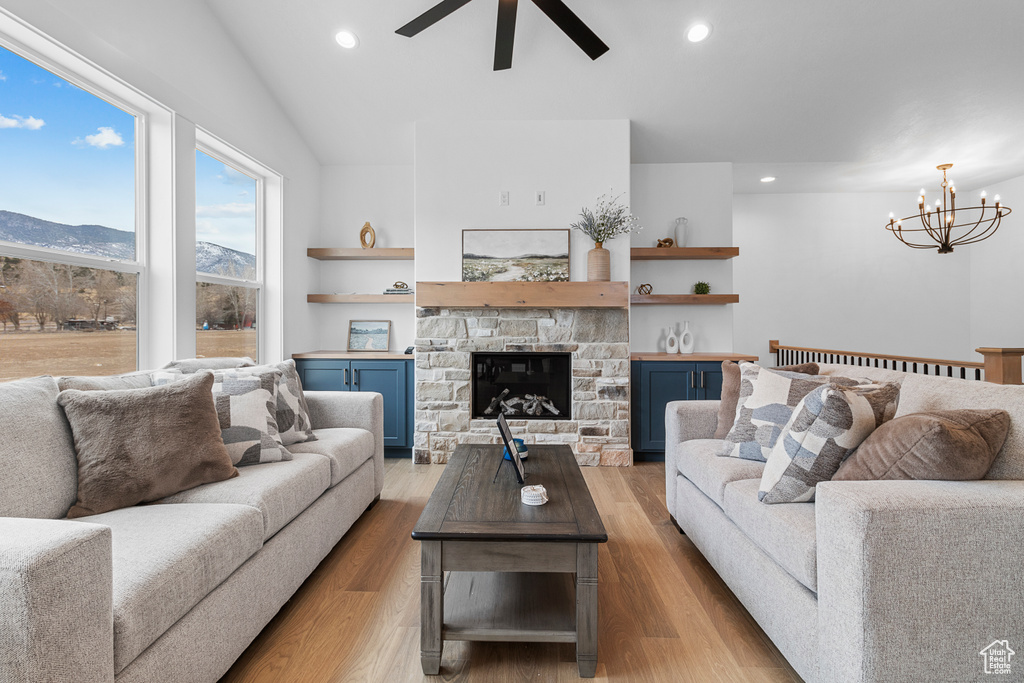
x: 556, y: 10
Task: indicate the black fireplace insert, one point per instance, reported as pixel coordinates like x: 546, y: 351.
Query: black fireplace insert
x: 522, y: 386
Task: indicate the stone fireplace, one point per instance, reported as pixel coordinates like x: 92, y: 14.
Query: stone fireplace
x: 454, y: 344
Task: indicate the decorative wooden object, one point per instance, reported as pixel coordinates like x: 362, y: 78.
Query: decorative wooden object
x: 360, y: 298
x: 687, y: 299
x: 599, y: 264
x: 522, y: 294
x: 683, y: 253
x: 345, y: 355
x: 367, y: 237
x: 375, y: 254
x: 644, y: 289
x: 1002, y: 366
x: 665, y: 243
x: 400, y: 285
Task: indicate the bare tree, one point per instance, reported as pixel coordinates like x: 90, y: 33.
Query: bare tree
x: 50, y: 292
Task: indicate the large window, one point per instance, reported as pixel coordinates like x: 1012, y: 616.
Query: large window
x: 69, y: 253
x: 228, y: 277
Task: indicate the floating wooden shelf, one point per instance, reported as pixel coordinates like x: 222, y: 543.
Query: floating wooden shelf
x: 683, y: 253
x: 522, y: 294
x: 351, y: 355
x: 358, y: 254
x: 686, y: 299
x: 360, y: 298
x: 702, y: 357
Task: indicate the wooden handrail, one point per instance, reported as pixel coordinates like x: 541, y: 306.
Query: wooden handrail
x: 774, y: 347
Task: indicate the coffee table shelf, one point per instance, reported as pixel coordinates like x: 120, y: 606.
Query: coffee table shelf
x: 521, y: 607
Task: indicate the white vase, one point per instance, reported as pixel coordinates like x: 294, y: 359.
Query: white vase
x: 680, y: 239
x: 671, y: 341
x: 686, y: 338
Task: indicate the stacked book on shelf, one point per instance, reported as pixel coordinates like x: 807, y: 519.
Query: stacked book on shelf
x: 392, y: 290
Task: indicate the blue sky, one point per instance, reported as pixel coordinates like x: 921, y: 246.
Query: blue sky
x: 68, y: 156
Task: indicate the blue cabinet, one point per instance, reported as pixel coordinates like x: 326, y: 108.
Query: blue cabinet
x: 656, y: 383
x: 393, y: 379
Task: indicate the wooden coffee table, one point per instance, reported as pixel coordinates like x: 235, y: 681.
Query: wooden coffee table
x: 515, y: 572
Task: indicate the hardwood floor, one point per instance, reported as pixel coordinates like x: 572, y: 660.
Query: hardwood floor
x: 664, y: 613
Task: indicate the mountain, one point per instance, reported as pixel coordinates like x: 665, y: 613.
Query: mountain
x: 521, y: 256
x: 97, y: 240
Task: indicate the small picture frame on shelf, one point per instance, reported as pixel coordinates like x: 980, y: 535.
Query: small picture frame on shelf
x: 369, y: 335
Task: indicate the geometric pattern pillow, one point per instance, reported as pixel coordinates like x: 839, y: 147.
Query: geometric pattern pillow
x: 766, y: 402
x: 292, y: 412
x: 247, y: 409
x: 826, y: 427
x: 731, y: 391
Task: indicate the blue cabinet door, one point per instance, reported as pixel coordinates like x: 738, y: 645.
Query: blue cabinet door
x: 324, y: 375
x: 660, y: 382
x: 390, y: 379
x: 709, y: 379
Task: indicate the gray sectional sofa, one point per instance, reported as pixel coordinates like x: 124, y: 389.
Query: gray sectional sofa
x: 875, y: 580
x: 171, y: 591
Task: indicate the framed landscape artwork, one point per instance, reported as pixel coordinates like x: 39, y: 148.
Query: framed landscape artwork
x: 369, y: 335
x: 515, y: 255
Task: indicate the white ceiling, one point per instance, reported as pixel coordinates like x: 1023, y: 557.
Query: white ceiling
x: 859, y: 95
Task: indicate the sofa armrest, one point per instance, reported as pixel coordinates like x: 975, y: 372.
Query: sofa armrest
x: 685, y: 420
x: 915, y: 578
x: 56, y: 597
x: 362, y: 409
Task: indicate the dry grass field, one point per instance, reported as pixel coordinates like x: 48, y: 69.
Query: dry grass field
x: 29, y: 354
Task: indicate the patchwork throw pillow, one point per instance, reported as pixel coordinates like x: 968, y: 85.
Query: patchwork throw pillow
x: 950, y: 445
x: 766, y: 402
x: 190, y: 365
x: 293, y: 422
x: 139, y: 445
x: 247, y: 409
x: 826, y: 426
x: 731, y: 392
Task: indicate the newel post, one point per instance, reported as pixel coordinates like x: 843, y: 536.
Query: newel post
x: 1002, y: 366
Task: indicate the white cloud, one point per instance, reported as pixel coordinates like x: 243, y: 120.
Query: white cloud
x: 30, y: 122
x: 106, y: 137
x: 2, y: 77
x: 232, y: 176
x: 226, y: 210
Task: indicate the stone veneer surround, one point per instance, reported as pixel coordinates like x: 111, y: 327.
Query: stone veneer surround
x: 598, y: 339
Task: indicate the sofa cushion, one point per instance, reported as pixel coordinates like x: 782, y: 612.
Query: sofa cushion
x: 785, y: 532
x: 699, y: 461
x: 731, y: 392
x: 38, y: 471
x: 951, y: 445
x: 166, y: 559
x: 827, y: 425
x: 346, y: 447
x: 279, y: 490
x: 922, y: 393
x: 139, y: 445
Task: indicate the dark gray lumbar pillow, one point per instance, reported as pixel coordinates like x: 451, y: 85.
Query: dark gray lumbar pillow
x: 139, y: 445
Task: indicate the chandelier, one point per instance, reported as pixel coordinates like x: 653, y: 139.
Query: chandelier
x: 946, y: 225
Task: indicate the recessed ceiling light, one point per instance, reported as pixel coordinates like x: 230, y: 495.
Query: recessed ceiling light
x: 768, y: 179
x: 346, y: 39
x: 698, y: 32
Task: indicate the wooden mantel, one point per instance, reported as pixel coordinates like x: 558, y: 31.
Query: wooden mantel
x: 522, y: 294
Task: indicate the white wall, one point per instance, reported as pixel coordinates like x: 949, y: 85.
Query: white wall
x: 351, y: 196
x: 178, y: 53
x: 461, y: 168
x: 997, y: 283
x: 820, y: 270
x: 703, y: 194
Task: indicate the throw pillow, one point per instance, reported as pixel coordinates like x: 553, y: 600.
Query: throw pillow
x: 139, y: 445
x: 766, y: 402
x: 190, y: 365
x: 247, y: 409
x: 827, y: 425
x: 293, y: 422
x: 135, y: 380
x: 953, y: 445
x: 731, y: 392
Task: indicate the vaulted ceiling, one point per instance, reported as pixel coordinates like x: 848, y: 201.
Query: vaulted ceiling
x: 855, y: 95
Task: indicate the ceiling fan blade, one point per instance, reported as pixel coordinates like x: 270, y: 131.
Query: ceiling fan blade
x: 505, y: 35
x: 431, y: 17
x: 573, y: 27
